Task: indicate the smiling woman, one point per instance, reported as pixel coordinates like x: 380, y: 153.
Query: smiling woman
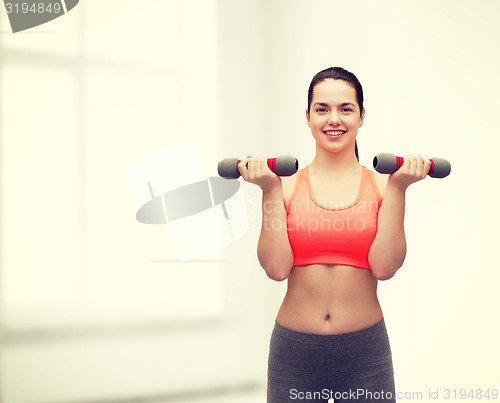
x: 341, y: 230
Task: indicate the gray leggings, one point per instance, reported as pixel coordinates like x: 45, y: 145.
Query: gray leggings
x: 349, y: 367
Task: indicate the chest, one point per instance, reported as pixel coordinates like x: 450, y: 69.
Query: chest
x: 334, y: 193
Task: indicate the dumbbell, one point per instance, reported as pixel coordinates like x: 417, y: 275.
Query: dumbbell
x: 284, y: 165
x: 387, y: 163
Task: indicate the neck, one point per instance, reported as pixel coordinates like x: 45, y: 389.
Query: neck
x: 326, y: 162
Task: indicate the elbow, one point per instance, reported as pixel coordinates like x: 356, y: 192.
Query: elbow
x: 278, y: 271
x: 277, y: 268
x: 276, y: 276
x: 385, y: 265
x: 385, y: 270
x: 383, y: 274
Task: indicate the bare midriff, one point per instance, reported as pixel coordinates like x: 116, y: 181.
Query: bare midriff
x: 330, y: 299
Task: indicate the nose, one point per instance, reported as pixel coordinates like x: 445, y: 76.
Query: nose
x: 334, y: 119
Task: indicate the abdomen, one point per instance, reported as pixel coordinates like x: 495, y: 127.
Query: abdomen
x: 330, y: 299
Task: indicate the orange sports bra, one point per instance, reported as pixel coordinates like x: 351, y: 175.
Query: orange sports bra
x: 331, y: 235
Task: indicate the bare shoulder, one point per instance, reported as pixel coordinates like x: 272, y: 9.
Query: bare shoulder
x: 381, y: 181
x: 288, y: 184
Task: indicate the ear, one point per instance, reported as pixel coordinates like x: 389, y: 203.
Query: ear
x: 308, y: 118
x: 362, y: 118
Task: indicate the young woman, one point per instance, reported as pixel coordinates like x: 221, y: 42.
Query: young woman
x: 333, y: 230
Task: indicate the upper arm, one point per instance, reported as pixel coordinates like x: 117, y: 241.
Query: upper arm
x: 381, y: 181
x: 388, y: 250
x: 288, y: 185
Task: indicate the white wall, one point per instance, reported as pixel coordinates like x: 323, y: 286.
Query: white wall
x: 95, y: 305
x: 428, y: 69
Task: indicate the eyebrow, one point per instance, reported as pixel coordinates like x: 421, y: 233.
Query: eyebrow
x: 342, y: 104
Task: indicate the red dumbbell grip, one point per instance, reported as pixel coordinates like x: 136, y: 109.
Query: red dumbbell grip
x: 400, y: 161
x: 271, y: 163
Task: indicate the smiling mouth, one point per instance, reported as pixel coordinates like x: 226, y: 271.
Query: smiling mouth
x: 334, y: 133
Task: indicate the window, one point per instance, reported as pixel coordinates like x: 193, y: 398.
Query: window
x: 86, y: 289
x: 82, y: 102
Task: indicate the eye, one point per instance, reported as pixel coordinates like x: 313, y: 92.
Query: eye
x: 347, y: 109
x: 320, y: 110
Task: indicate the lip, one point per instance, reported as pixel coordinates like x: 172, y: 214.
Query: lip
x: 334, y: 137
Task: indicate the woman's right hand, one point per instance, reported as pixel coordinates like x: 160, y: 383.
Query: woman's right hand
x: 255, y: 170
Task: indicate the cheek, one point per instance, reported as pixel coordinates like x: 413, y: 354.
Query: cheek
x: 353, y: 122
x: 317, y: 122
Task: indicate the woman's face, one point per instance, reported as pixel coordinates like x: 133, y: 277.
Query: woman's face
x: 334, y: 116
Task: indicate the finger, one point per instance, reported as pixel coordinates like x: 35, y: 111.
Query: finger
x: 424, y: 165
x: 242, y: 168
x: 423, y: 162
x: 250, y: 170
x: 247, y: 161
x: 258, y: 167
x: 427, y: 166
x: 264, y: 167
x: 406, y: 163
x: 413, y: 164
x: 419, y: 163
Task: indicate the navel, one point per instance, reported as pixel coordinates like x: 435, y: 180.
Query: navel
x: 327, y: 317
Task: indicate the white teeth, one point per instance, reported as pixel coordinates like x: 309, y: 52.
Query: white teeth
x: 334, y: 132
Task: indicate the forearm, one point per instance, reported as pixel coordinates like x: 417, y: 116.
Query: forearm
x: 388, y: 250
x: 274, y: 250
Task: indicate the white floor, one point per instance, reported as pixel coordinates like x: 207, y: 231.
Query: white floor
x: 244, y: 397
x: 249, y: 397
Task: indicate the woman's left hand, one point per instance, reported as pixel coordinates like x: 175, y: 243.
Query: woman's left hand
x: 414, y: 168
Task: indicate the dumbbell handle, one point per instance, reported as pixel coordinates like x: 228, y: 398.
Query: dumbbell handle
x: 387, y: 163
x: 284, y: 165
